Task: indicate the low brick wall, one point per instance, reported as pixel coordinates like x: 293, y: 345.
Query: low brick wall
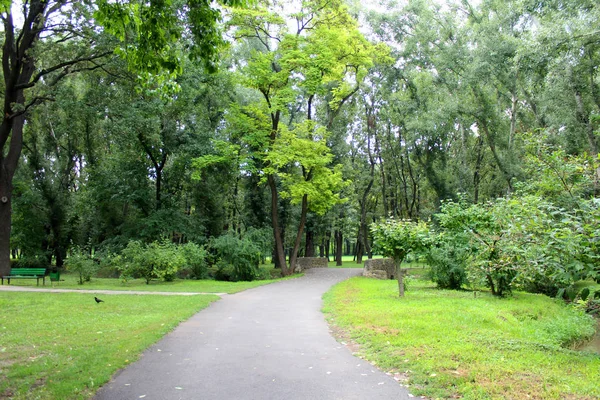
x: 374, y: 268
x: 303, y: 263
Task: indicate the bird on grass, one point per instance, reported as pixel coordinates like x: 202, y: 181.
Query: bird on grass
x: 98, y: 300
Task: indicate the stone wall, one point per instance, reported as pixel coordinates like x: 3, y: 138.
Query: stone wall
x: 303, y: 263
x: 374, y: 268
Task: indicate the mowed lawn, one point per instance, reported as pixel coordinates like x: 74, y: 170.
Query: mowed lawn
x: 451, y: 344
x: 65, y: 346
x: 179, y: 285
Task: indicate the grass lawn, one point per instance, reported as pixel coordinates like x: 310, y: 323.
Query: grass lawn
x: 65, y: 346
x: 71, y: 281
x: 449, y: 344
x: 350, y: 262
x: 178, y: 285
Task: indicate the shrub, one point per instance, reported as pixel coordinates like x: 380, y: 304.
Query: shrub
x: 81, y: 263
x: 195, y: 260
x: 167, y: 259
x: 448, y: 261
x: 30, y: 262
x: 135, y: 263
x: 157, y: 260
x: 241, y: 254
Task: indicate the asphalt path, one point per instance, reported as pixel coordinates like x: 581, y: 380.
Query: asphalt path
x: 270, y: 342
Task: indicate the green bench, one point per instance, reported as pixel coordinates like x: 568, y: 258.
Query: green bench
x: 26, y: 273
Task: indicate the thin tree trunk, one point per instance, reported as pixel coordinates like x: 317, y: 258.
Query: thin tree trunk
x: 279, y: 254
x: 339, y: 244
x: 294, y: 255
x: 477, y: 173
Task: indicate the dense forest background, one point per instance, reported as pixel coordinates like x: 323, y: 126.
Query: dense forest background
x: 320, y: 118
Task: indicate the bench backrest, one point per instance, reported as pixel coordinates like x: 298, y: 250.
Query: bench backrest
x: 28, y: 271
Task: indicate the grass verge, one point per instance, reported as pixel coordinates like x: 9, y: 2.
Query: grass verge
x: 450, y: 344
x: 178, y: 285
x: 65, y: 346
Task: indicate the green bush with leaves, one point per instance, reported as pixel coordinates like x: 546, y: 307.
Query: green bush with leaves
x: 195, y: 260
x: 479, y: 230
x: 157, y: 260
x: 240, y: 254
x: 522, y: 242
x: 81, y: 263
x: 447, y: 258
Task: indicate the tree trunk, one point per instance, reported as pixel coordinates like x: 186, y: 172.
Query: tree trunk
x: 477, y: 173
x: 5, y: 223
x: 339, y: 243
x: 400, y: 274
x: 279, y: 253
x: 294, y: 255
x: 359, y: 251
x: 309, y: 247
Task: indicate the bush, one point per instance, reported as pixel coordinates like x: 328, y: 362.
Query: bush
x: 448, y: 261
x: 479, y: 229
x: 157, y: 260
x: 30, y: 262
x: 107, y: 267
x: 240, y: 254
x: 195, y: 261
x: 81, y: 263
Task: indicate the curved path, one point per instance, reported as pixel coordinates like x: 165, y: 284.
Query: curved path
x: 270, y: 342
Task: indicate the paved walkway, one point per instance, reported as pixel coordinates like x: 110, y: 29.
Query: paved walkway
x: 270, y: 342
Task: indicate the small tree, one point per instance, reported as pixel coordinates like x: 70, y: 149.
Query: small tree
x: 396, y: 239
x: 82, y: 264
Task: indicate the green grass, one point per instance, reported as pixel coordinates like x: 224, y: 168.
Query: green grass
x: 350, y: 262
x: 452, y: 344
x: 64, y: 345
x: 178, y: 285
x: 71, y: 281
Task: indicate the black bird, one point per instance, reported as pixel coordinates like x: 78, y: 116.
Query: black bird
x: 98, y: 300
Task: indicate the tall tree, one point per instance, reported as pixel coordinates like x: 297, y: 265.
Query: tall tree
x: 321, y: 52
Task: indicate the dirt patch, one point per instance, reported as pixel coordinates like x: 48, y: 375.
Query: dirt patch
x: 38, y: 383
x: 343, y: 336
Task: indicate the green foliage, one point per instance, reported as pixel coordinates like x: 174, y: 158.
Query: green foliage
x: 242, y: 255
x: 448, y: 258
x: 396, y: 239
x: 305, y: 145
x: 479, y: 232
x: 81, y: 263
x: 524, y: 242
x: 157, y: 260
x: 195, y: 260
x: 149, y: 32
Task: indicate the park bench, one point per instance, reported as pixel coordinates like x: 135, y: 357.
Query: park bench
x: 26, y: 273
